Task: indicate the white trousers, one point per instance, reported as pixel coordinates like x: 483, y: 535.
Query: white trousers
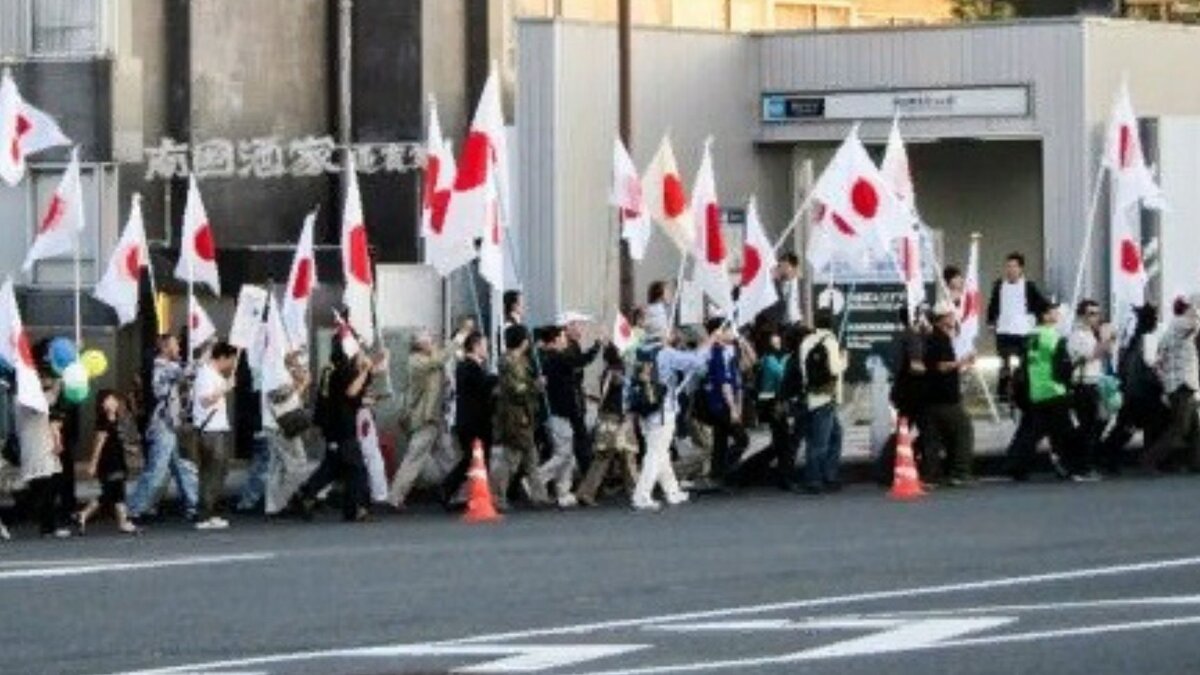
x: 368, y: 440
x: 656, y: 466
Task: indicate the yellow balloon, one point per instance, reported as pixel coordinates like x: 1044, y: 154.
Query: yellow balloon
x: 94, y: 362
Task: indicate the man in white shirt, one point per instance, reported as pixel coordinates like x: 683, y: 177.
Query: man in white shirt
x: 1091, y: 343
x: 210, y: 413
x: 787, y: 280
x: 1010, y: 312
x: 822, y: 365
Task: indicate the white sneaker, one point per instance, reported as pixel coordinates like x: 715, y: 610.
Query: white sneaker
x: 4, y: 535
x: 681, y: 498
x: 220, y: 523
x: 213, y: 523
x: 650, y: 506
x: 567, y: 501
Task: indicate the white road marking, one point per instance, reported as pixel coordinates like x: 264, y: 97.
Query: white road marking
x: 98, y: 568
x: 1158, y: 601
x: 25, y: 564
x: 583, y: 629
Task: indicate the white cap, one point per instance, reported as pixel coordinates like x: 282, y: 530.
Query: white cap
x: 570, y: 317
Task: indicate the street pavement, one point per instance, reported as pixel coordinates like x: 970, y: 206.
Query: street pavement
x: 1045, y: 577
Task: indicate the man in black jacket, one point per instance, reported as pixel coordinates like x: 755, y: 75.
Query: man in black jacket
x: 475, y: 390
x: 1011, y: 312
x: 578, y: 360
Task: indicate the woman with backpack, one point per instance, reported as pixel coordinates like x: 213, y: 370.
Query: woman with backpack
x: 1141, y: 392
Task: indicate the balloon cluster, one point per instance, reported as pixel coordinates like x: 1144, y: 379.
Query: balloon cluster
x: 76, y: 370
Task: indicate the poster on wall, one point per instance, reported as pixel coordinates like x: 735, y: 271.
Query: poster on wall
x: 867, y: 315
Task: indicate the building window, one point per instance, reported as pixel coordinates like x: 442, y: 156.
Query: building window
x: 66, y: 27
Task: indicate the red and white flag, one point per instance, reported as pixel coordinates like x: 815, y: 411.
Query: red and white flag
x: 275, y: 348
x: 59, y: 228
x: 301, y: 282
x: 631, y: 206
x: 711, y: 271
x: 197, y: 247
x: 911, y: 270
x: 345, y: 335
x: 969, y: 309
x: 201, y: 328
x: 24, y: 130
x: 665, y: 199
x: 356, y: 261
x: 858, y: 200
x: 445, y: 250
x: 758, y: 266
x: 122, y: 280
x: 14, y: 349
x: 895, y: 168
x: 477, y: 206
x: 623, y: 337
x: 1132, y: 188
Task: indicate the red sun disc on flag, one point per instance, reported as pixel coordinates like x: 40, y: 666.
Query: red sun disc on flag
x: 22, y: 349
x: 1125, y: 146
x: 674, y: 201
x: 54, y: 214
x: 1131, y: 257
x: 751, y: 264
x: 714, y: 242
x: 132, y: 262
x: 842, y: 226
x: 23, y: 127
x: 441, y: 204
x: 433, y: 166
x: 302, y: 286
x: 624, y: 329
x: 970, y: 306
x: 360, y: 260
x: 206, y: 248
x: 864, y: 198
x: 473, y: 167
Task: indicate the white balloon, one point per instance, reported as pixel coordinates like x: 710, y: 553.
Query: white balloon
x: 75, y: 375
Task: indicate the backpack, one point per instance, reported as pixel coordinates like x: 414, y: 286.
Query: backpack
x: 1063, y: 369
x: 323, y: 406
x: 1138, y: 380
x: 818, y: 373
x: 647, y: 393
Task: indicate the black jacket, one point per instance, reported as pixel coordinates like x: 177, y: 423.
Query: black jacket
x: 1034, y: 301
x: 476, y: 389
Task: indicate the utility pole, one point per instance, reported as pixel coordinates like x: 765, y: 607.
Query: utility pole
x: 625, y: 77
x: 345, y: 54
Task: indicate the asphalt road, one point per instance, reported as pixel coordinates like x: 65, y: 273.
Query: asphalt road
x: 1040, y: 578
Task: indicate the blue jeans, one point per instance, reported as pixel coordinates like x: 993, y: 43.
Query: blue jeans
x: 164, y: 457
x: 823, y: 446
x: 255, y: 489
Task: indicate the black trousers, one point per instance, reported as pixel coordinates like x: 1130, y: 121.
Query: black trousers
x: 343, y: 461
x: 1085, y: 401
x: 726, y: 432
x: 43, y: 496
x: 458, y: 475
x: 1149, y: 415
x: 774, y: 414
x: 1180, y: 442
x: 1007, y: 347
x: 1048, y: 418
x: 582, y: 444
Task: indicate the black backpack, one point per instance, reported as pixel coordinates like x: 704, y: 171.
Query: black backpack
x: 818, y: 374
x: 646, y: 390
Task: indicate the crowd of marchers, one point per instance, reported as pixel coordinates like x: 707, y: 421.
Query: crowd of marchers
x: 564, y: 422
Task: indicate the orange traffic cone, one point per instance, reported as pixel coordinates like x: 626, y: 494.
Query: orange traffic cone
x: 906, y: 484
x: 480, y: 508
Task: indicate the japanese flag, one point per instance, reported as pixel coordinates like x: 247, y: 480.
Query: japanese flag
x: 356, y: 261
x: 478, y: 203
x: 895, y: 168
x: 59, y: 228
x: 623, y: 337
x: 711, y: 272
x: 275, y: 348
x: 666, y: 202
x: 345, y: 335
x: 119, y: 287
x: 201, y: 328
x: 197, y: 248
x: 301, y: 281
x: 859, y: 202
x: 970, y: 307
x: 911, y: 270
x: 1132, y: 188
x: 14, y: 349
x: 758, y: 265
x: 24, y: 130
x: 627, y: 197
x: 445, y: 250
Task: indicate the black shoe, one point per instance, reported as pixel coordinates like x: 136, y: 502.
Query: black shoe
x: 811, y: 490
x: 833, y: 487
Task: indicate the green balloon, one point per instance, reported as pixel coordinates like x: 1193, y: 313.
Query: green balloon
x: 76, y: 394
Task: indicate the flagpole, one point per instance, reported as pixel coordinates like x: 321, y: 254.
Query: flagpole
x: 78, y: 299
x: 1093, y: 212
x: 678, y: 292
x: 795, y: 222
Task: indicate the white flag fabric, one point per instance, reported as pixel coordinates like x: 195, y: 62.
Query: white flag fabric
x: 446, y: 250
x: 627, y: 198
x: 24, y: 130
x: 623, y: 337
x: 911, y: 270
x: 477, y: 205
x: 201, y: 328
x: 59, y: 228
x: 14, y: 349
x: 1132, y: 188
x: 122, y: 279
x: 758, y: 266
x: 858, y: 200
x: 301, y: 281
x: 275, y: 348
x: 895, y: 168
x: 197, y: 247
x: 356, y: 262
x: 970, y: 307
x: 666, y: 201
x: 711, y: 271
